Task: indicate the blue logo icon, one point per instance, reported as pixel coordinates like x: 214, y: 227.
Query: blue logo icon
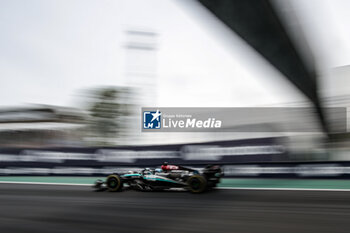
x: 152, y: 120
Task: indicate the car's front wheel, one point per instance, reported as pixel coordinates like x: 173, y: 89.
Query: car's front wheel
x: 114, y: 183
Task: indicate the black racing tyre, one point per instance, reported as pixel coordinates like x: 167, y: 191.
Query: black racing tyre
x: 114, y: 183
x: 197, y: 184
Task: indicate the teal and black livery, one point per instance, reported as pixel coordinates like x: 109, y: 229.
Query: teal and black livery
x: 166, y: 177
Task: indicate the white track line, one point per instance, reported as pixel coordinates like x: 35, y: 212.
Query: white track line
x: 227, y: 188
x: 286, y: 189
x: 45, y: 183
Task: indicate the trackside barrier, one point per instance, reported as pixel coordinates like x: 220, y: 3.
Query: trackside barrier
x: 266, y: 157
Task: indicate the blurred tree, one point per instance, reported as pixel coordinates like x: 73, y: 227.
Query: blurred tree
x: 108, y: 108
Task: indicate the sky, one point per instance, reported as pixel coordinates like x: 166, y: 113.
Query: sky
x: 326, y: 25
x: 51, y: 51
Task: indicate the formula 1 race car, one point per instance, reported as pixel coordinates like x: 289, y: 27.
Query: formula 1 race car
x: 166, y: 177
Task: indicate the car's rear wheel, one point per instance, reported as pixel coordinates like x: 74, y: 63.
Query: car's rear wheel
x: 114, y: 183
x: 197, y: 184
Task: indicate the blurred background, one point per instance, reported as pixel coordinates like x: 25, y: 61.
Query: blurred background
x: 76, y: 73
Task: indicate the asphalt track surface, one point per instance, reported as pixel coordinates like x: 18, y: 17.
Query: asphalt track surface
x: 55, y: 208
